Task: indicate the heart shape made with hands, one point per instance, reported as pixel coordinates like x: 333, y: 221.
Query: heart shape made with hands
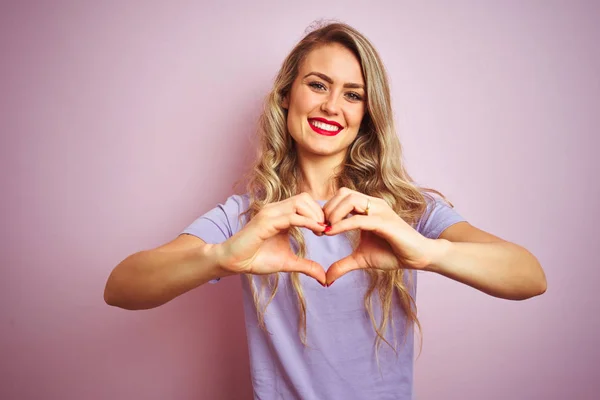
x: 386, y: 242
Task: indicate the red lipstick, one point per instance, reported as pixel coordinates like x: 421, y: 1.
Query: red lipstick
x: 323, y: 131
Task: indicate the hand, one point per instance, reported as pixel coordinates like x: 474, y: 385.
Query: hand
x: 387, y: 242
x: 262, y: 246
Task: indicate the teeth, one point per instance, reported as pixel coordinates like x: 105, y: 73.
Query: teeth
x: 324, y: 126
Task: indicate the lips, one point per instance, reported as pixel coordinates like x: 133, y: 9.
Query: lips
x: 325, y: 127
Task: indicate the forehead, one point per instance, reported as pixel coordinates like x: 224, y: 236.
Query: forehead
x: 335, y: 61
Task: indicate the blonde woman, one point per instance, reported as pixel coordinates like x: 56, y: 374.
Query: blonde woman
x: 328, y: 237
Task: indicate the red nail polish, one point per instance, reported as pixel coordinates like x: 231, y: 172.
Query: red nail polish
x: 327, y: 229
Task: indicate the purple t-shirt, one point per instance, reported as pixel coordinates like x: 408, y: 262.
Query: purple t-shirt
x: 339, y: 362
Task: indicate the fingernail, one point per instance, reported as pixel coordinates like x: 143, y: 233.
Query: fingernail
x: 329, y: 284
x: 327, y: 229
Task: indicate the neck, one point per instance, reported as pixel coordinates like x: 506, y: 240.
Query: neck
x: 316, y: 174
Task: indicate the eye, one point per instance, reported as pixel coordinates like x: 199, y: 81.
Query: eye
x: 354, y: 96
x: 317, y: 85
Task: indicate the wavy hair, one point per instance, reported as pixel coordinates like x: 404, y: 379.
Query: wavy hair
x: 373, y: 165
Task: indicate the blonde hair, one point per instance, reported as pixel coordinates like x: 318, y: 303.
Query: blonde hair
x: 373, y: 165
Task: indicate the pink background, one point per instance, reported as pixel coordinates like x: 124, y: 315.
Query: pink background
x: 122, y: 122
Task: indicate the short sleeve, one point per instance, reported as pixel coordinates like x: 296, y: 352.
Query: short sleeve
x: 220, y: 223
x: 438, y: 217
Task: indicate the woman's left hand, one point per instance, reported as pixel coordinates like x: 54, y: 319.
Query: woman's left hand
x: 387, y: 242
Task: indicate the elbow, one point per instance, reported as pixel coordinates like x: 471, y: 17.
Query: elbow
x: 110, y: 296
x: 534, y: 279
x: 113, y: 296
x: 542, y: 286
x: 113, y: 288
x: 536, y: 287
x: 114, y: 300
x: 119, y: 297
x: 532, y: 291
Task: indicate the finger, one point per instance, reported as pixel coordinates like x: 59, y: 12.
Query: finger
x: 308, y: 268
x: 313, y: 205
x: 316, y: 207
x: 296, y: 205
x: 284, y: 222
x: 362, y: 222
x: 340, y: 268
x: 354, y: 203
x: 306, y: 206
x: 341, y: 194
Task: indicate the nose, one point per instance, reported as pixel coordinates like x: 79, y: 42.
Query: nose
x: 330, y: 105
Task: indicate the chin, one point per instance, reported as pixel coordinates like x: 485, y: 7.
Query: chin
x: 322, y: 151
x: 319, y: 146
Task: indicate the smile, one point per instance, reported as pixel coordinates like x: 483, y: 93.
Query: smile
x: 324, y: 127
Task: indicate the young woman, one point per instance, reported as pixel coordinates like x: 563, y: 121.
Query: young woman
x: 329, y: 237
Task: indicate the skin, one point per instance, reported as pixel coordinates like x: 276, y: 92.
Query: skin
x: 312, y: 96
x: 463, y: 252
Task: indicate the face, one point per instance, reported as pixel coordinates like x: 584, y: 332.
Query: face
x: 327, y: 102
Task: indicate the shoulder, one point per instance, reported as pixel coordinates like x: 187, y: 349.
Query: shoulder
x: 438, y: 216
x: 237, y: 203
x: 222, y: 221
x: 233, y: 208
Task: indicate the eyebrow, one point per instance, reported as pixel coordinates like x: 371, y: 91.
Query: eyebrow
x: 330, y: 81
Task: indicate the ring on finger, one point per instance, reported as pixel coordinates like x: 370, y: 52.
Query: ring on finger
x: 368, y: 206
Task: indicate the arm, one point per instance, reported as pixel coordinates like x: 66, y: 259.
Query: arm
x: 150, y: 278
x: 485, y: 262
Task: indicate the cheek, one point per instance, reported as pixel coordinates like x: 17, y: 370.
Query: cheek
x: 294, y: 120
x: 302, y: 105
x: 356, y: 119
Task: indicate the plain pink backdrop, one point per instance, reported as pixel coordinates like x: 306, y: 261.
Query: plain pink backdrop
x: 122, y: 122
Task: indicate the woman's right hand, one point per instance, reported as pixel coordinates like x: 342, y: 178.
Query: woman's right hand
x: 262, y: 246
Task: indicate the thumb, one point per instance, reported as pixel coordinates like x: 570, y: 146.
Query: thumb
x: 341, y: 267
x: 307, y: 267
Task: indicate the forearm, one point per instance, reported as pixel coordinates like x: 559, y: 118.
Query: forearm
x: 500, y: 269
x: 148, y: 279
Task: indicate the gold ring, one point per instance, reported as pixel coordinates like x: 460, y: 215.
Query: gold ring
x: 368, y: 205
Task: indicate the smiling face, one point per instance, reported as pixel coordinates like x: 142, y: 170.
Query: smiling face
x: 326, y: 102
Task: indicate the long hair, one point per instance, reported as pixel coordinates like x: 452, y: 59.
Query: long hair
x: 373, y: 165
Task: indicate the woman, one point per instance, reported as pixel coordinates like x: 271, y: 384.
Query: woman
x: 328, y: 200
